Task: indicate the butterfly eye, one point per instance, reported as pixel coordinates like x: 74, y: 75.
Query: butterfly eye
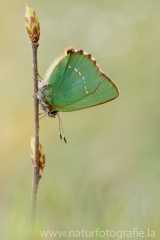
x: 52, y: 113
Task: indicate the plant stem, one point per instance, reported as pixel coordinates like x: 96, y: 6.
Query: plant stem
x: 36, y: 176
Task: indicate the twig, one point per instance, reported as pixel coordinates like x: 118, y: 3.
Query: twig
x: 33, y: 30
x: 36, y: 175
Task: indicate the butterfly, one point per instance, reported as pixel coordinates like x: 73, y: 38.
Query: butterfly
x: 73, y: 82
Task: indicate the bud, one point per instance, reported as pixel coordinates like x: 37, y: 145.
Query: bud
x: 41, y: 155
x: 32, y: 24
x: 32, y: 150
x: 41, y: 158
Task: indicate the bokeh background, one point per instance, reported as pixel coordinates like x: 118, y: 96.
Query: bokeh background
x: 108, y: 175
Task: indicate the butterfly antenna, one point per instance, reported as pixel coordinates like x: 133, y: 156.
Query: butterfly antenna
x: 59, y: 120
x: 61, y: 129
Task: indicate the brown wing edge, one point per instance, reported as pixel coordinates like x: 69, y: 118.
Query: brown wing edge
x: 81, y: 52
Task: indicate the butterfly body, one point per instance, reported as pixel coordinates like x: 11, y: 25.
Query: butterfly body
x: 75, y: 82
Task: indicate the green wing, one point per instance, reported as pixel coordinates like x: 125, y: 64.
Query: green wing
x: 74, y: 77
x: 105, y: 92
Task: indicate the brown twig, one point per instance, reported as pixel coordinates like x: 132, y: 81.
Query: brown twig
x: 36, y: 175
x: 33, y: 30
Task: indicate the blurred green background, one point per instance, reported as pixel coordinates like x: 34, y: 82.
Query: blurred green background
x: 108, y: 175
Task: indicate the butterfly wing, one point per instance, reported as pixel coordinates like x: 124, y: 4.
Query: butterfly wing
x: 76, y: 76
x: 106, y: 91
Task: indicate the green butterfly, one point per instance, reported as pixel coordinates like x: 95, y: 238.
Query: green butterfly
x: 74, y: 82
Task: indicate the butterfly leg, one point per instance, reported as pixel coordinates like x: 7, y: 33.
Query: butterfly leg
x: 40, y: 80
x: 43, y: 115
